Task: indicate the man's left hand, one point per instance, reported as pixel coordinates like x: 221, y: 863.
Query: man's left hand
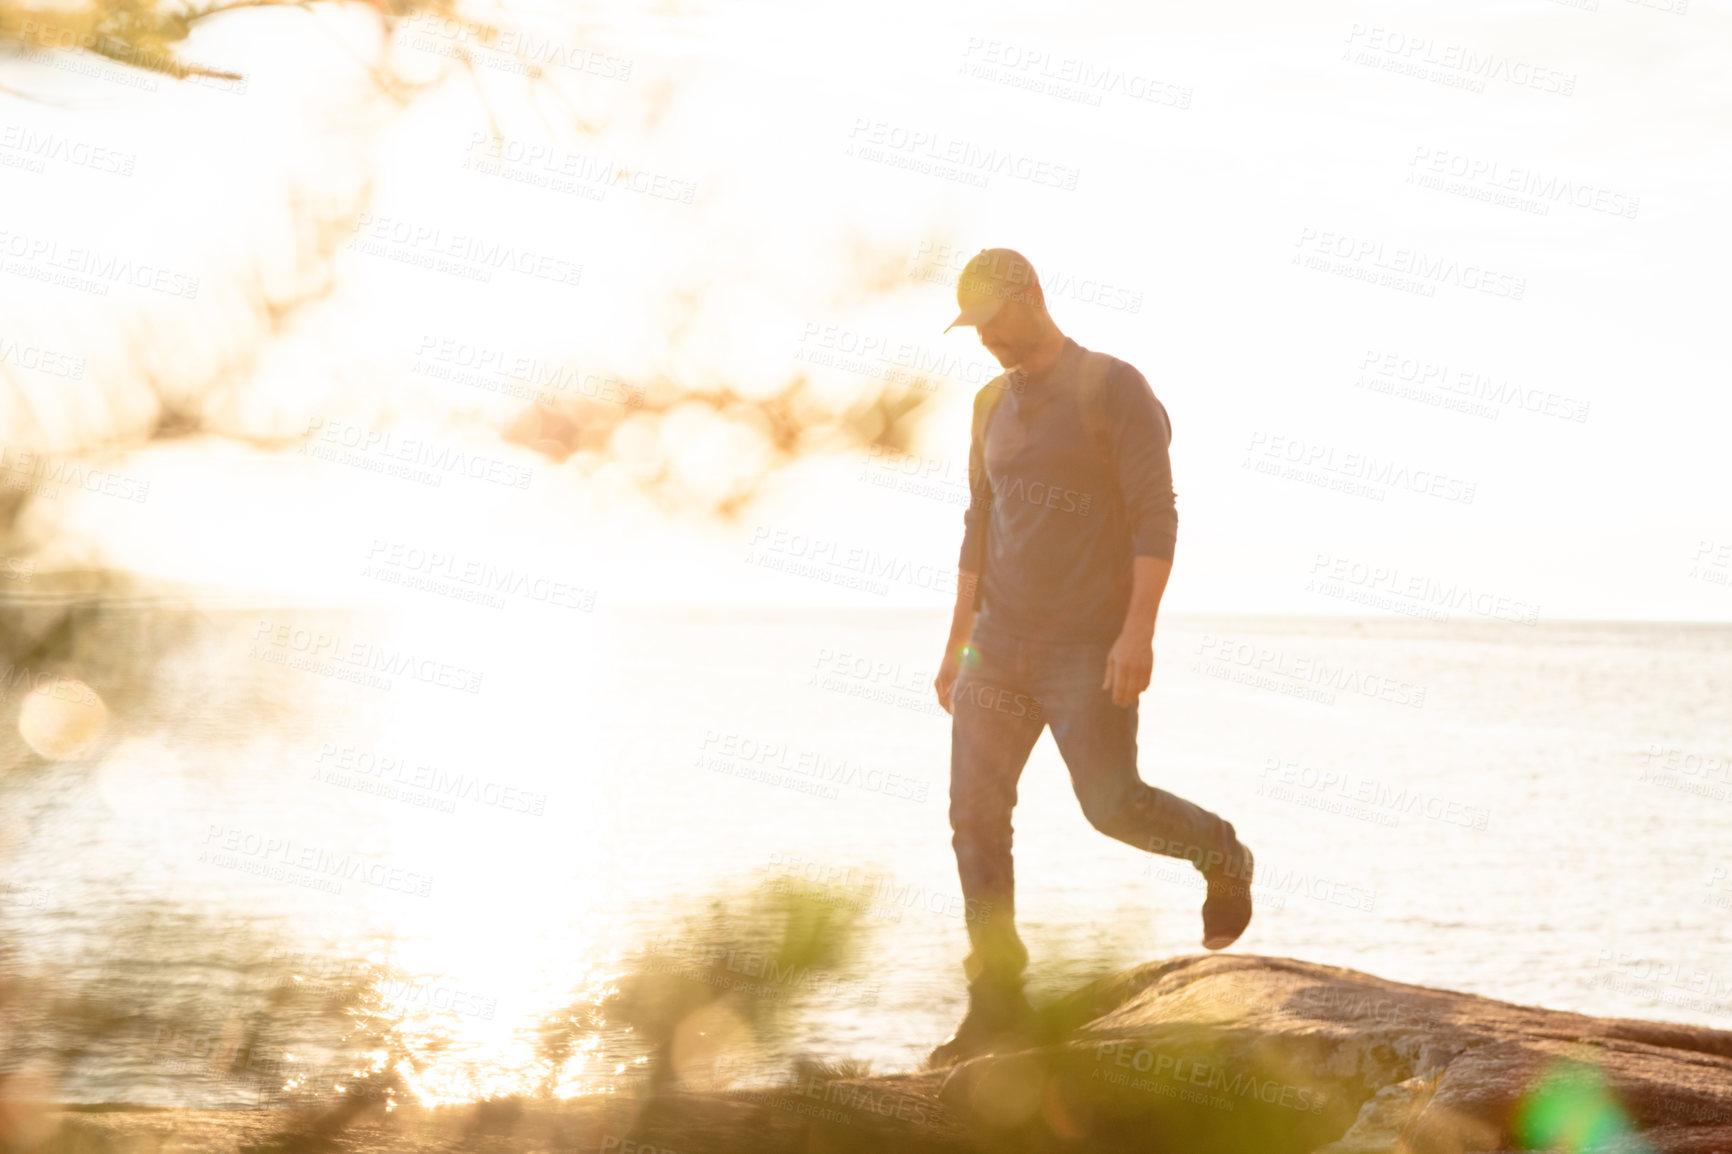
x: 1130, y: 664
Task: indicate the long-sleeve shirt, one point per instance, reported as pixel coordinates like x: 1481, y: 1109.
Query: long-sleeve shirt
x: 1051, y: 525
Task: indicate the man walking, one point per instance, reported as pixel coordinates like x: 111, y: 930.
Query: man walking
x: 1067, y: 546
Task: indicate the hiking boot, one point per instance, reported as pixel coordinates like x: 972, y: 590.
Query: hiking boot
x: 997, y: 1016
x: 1227, y: 905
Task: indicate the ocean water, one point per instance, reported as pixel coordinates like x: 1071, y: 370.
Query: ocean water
x: 316, y: 844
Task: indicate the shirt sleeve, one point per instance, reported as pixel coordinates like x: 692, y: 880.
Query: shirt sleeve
x: 979, y: 490
x: 1139, y: 434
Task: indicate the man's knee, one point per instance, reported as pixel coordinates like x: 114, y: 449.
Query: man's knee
x: 1116, y: 813
x: 968, y: 829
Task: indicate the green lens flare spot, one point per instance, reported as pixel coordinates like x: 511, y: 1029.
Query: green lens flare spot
x: 1570, y: 1109
x: 968, y: 656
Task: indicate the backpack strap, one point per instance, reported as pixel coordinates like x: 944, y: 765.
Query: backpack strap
x: 1091, y: 390
x: 1091, y: 401
x: 989, y: 398
x: 986, y: 404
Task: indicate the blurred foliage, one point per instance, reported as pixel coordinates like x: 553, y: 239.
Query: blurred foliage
x: 794, y: 421
x: 183, y: 1001
x: 129, y: 994
x: 764, y: 428
x: 149, y: 34
x: 732, y: 976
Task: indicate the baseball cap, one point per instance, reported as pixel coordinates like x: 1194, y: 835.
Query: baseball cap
x: 991, y: 277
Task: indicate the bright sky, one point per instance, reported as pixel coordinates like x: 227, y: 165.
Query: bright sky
x: 1429, y: 290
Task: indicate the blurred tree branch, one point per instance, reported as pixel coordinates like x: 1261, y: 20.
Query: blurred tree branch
x: 145, y: 34
x: 769, y: 426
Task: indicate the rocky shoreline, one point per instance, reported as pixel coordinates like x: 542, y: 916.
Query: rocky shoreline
x: 1231, y: 1053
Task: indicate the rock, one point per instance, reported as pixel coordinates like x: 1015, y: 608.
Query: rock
x: 1231, y: 1053
x: 1243, y: 1053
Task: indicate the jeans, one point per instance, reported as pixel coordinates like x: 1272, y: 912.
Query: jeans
x: 999, y: 706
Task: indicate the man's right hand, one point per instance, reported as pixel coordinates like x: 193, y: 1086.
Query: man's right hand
x: 961, y: 627
x: 947, y: 671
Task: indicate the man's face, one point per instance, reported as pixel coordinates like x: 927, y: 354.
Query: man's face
x: 1011, y: 335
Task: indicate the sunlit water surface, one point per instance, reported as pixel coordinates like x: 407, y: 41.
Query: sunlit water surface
x: 268, y: 878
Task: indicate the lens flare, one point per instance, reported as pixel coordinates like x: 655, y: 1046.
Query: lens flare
x: 1570, y: 1109
x: 62, y: 719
